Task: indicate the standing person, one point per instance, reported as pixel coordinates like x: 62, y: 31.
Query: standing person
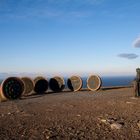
x: 137, y: 83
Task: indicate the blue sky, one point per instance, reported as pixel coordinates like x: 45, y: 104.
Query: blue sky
x: 70, y: 36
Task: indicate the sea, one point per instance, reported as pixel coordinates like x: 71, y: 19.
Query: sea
x: 108, y: 81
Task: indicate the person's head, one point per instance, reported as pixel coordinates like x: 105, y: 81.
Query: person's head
x: 138, y: 70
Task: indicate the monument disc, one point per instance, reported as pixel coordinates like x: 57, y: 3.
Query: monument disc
x: 94, y: 82
x: 57, y: 84
x: 74, y: 83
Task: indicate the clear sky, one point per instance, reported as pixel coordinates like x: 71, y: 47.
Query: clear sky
x: 70, y: 36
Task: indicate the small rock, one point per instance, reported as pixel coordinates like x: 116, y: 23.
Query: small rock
x: 111, y: 120
x: 138, y: 124
x: 69, y: 128
x: 47, y: 137
x: 116, y: 126
x: 78, y: 115
x: 103, y: 120
x: 130, y: 103
x: 9, y: 113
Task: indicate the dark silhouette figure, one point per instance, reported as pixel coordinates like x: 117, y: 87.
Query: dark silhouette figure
x: 137, y: 83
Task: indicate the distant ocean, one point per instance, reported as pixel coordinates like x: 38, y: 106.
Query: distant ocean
x: 110, y: 81
x: 114, y: 81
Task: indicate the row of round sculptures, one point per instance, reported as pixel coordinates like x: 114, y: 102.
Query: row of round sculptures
x: 14, y: 87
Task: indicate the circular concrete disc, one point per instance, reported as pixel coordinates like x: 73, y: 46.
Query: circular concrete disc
x: 40, y: 85
x: 74, y: 83
x: 94, y: 82
x: 29, y: 85
x: 57, y: 84
x: 12, y: 88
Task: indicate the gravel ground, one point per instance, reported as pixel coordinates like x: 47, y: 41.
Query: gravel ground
x: 106, y: 114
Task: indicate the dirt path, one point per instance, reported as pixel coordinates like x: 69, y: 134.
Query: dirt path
x: 106, y: 114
